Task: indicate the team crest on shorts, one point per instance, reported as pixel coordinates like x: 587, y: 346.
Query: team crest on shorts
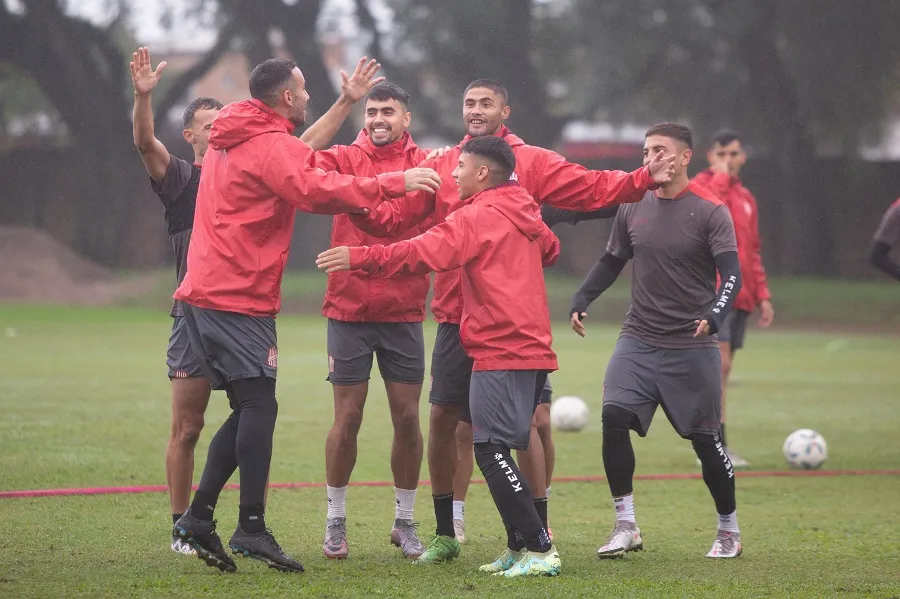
x: 273, y: 357
x: 330, y: 364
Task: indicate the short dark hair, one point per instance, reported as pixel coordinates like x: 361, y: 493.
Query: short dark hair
x: 723, y: 137
x: 491, y: 85
x: 673, y: 131
x: 386, y: 90
x: 201, y: 103
x: 270, y: 77
x: 496, y: 151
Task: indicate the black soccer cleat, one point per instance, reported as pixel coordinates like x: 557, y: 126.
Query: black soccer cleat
x: 201, y: 536
x: 264, y: 547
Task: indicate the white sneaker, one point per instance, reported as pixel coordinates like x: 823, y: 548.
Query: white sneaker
x: 625, y: 537
x: 727, y: 544
x: 459, y: 527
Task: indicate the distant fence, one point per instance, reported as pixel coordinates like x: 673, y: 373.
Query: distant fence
x: 42, y: 188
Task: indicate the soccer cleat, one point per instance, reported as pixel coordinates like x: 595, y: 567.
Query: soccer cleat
x: 534, y: 564
x: 179, y: 545
x: 736, y: 460
x: 625, y: 537
x: 503, y: 563
x: 263, y: 547
x: 335, y: 545
x: 404, y: 536
x: 727, y: 544
x: 441, y: 548
x: 459, y: 527
x: 202, y: 538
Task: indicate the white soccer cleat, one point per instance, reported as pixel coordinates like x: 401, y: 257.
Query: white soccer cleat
x: 727, y: 544
x: 459, y: 528
x: 737, y: 461
x: 625, y: 537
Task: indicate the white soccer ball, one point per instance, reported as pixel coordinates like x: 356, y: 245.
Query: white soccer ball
x: 569, y: 413
x: 805, y: 448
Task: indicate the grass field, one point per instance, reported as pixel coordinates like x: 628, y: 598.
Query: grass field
x: 84, y: 400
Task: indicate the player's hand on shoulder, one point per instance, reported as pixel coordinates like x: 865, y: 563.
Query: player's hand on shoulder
x: 438, y: 152
x: 334, y: 259
x: 422, y: 179
x: 577, y: 321
x: 662, y: 168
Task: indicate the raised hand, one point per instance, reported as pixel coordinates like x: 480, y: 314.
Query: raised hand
x: 355, y: 87
x: 334, y: 259
x: 142, y: 75
x: 662, y: 168
x: 422, y: 179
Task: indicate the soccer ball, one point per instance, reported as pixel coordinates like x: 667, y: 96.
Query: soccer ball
x: 568, y: 413
x: 805, y: 448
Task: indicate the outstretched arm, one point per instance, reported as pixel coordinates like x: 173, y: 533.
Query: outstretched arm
x: 153, y: 153
x: 289, y: 171
x: 571, y: 186
x: 448, y: 246
x: 353, y: 89
x: 392, y: 218
x: 554, y: 216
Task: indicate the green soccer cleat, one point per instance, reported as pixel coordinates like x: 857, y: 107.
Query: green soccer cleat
x: 534, y: 564
x: 441, y: 548
x: 503, y: 563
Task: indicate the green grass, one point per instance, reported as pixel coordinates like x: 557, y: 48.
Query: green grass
x: 814, y: 303
x: 85, y: 403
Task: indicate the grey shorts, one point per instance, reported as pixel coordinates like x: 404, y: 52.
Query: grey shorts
x: 451, y: 368
x: 734, y: 329
x: 543, y: 395
x: 399, y: 346
x: 502, y: 404
x: 180, y: 356
x: 231, y: 346
x: 686, y: 382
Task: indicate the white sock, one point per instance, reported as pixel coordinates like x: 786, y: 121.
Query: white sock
x: 728, y: 522
x: 337, y: 501
x: 406, y: 500
x: 459, y: 509
x: 624, y: 508
x: 548, y: 492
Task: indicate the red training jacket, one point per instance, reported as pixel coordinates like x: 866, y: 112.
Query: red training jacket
x: 742, y: 206
x: 544, y: 174
x: 498, y: 244
x: 356, y: 296
x: 255, y: 175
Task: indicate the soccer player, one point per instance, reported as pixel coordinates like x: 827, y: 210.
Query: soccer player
x: 886, y: 237
x: 255, y: 176
x: 667, y: 353
x: 726, y: 157
x: 497, y: 243
x: 175, y: 181
x: 538, y: 461
x: 368, y: 316
x: 550, y: 180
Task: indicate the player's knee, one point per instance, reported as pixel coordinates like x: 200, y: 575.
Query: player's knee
x: 541, y: 421
x: 187, y: 432
x: 406, y: 420
x: 616, y: 420
x: 464, y: 436
x: 486, y: 457
x: 444, y: 420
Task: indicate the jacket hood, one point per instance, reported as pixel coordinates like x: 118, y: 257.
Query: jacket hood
x: 402, y: 146
x: 240, y: 121
x: 516, y: 204
x: 508, y: 136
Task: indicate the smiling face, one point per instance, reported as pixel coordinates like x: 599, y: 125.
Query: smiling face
x: 386, y: 121
x: 472, y: 175
x: 198, y: 133
x: 296, y: 98
x: 484, y: 111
